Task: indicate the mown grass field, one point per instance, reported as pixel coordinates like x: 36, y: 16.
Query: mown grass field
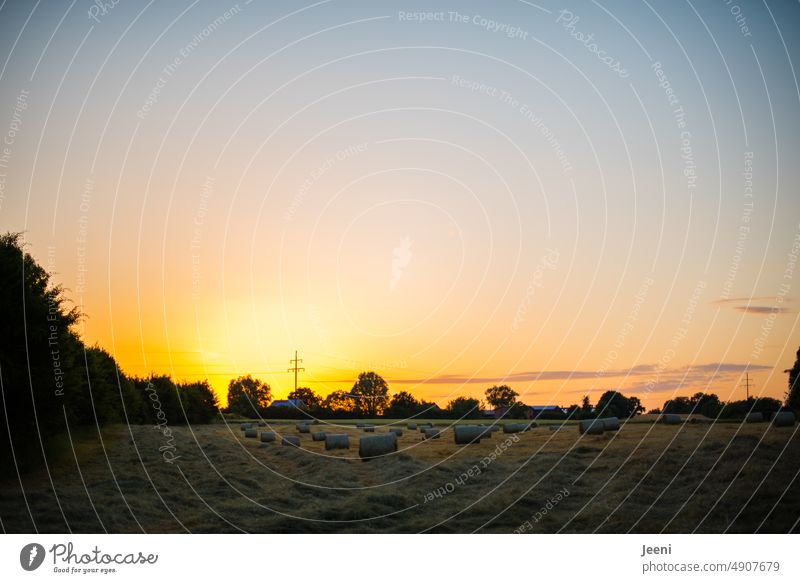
x: 643, y: 478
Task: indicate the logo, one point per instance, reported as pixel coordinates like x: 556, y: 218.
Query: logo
x: 31, y: 556
x: 401, y: 257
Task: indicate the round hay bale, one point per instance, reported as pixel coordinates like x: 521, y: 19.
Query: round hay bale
x: 754, y: 418
x: 369, y: 428
x: 487, y: 432
x: 262, y: 423
x: 424, y: 426
x: 303, y: 428
x: 610, y: 423
x: 412, y: 426
x: 465, y: 434
x: 671, y: 419
x: 783, y: 419
x: 360, y: 425
x: 377, y: 445
x: 531, y: 425
x: 591, y: 427
x: 318, y: 436
x: 398, y: 431
x: 514, y: 427
x: 267, y: 436
x: 292, y: 440
x: 337, y: 441
x: 245, y: 426
x: 251, y: 433
x: 431, y: 433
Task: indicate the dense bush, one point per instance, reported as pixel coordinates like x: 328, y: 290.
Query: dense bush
x: 465, y: 408
x: 248, y: 397
x: 707, y: 404
x: 38, y: 354
x: 615, y: 404
x: 517, y: 410
x: 200, y: 402
x: 739, y: 409
x: 551, y: 415
x: 402, y: 405
x: 49, y: 378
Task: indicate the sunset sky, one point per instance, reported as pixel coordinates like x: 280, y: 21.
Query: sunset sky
x: 478, y: 194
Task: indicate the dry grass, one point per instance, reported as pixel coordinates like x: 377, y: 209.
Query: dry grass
x: 644, y: 478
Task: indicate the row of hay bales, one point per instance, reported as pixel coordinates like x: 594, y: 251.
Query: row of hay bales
x: 332, y: 441
x: 466, y: 434
x: 598, y: 426
x: 369, y: 447
x: 778, y: 419
x: 375, y: 446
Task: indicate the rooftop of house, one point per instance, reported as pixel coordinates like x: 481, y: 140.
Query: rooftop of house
x: 288, y: 403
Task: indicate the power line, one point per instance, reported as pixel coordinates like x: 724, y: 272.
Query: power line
x: 747, y: 384
x: 295, y: 361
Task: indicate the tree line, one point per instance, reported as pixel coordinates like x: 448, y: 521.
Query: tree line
x: 369, y: 398
x: 51, y: 381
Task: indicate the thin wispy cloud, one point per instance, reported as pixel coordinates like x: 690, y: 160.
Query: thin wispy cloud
x: 746, y: 300
x: 644, y: 370
x: 758, y: 305
x: 761, y: 310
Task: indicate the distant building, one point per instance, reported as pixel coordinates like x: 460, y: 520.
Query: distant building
x: 499, y: 412
x: 537, y: 411
x: 534, y: 412
x: 291, y: 403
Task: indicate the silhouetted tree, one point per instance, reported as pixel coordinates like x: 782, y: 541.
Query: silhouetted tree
x: 309, y: 398
x: 103, y: 394
x: 248, y: 397
x: 402, y: 405
x: 707, y: 404
x: 465, y: 408
x: 678, y: 406
x: 501, y: 396
x: 793, y: 391
x: 518, y: 410
x: 199, y: 400
x: 429, y: 409
x: 615, y: 404
x: 739, y: 409
x: 162, y: 402
x: 49, y: 377
x: 338, y: 402
x: 38, y: 353
x: 370, y: 393
x: 586, y: 407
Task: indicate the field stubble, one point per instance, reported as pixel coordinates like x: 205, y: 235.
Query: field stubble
x: 643, y: 478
